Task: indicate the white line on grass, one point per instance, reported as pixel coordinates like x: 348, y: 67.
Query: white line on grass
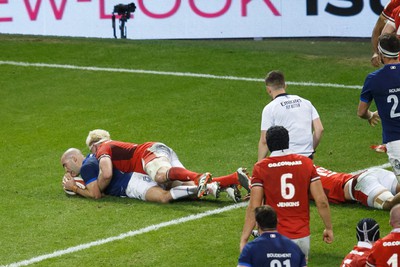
x: 147, y: 229
x: 169, y: 73
x: 164, y: 224
x: 125, y: 235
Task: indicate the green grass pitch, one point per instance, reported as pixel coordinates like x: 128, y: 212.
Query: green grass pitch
x: 213, y: 125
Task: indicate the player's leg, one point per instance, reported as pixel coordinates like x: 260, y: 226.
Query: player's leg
x: 159, y: 195
x: 393, y: 152
x: 304, y: 244
x: 142, y: 187
x: 163, y: 165
x: 378, y: 185
x: 388, y: 200
x: 240, y: 177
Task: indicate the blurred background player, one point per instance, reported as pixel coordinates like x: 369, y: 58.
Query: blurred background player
x: 385, y: 16
x: 293, y: 112
x: 367, y: 232
x: 270, y: 248
x: 375, y: 188
x: 284, y: 180
x: 386, y: 251
x: 383, y: 86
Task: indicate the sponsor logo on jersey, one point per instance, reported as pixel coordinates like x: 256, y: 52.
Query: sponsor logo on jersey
x: 391, y: 244
x: 295, y: 103
x: 285, y: 163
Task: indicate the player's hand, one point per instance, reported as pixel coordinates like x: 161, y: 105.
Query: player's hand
x: 375, y: 119
x: 328, y: 236
x: 375, y: 60
x: 68, y: 182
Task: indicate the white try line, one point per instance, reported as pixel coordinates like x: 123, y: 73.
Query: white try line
x: 169, y: 73
x: 150, y: 228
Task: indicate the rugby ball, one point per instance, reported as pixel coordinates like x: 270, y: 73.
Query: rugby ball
x: 79, y: 182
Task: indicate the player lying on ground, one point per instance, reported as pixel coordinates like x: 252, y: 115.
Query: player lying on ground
x: 139, y: 185
x: 376, y: 188
x: 155, y: 159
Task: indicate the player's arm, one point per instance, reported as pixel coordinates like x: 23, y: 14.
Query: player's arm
x: 91, y: 190
x: 105, y: 174
x: 364, y: 113
x: 262, y: 146
x: 317, y: 133
x: 389, y: 28
x: 256, y: 198
x: 376, y: 32
x: 321, y: 201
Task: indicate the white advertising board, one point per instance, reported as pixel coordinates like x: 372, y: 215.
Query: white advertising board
x: 191, y: 19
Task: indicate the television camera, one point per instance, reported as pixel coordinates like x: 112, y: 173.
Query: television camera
x: 124, y: 11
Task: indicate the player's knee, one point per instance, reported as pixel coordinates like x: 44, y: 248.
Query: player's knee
x: 161, y: 174
x: 157, y: 169
x: 384, y: 201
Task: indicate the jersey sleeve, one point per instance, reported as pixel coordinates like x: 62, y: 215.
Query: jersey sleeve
x: 314, y: 113
x: 256, y: 178
x: 245, y: 256
x: 90, y: 170
x: 103, y: 151
x: 366, y: 95
x: 314, y: 174
x: 266, y: 118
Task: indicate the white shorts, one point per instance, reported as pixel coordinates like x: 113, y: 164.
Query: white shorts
x: 138, y: 186
x: 373, y: 182
x: 304, y: 244
x: 157, y: 156
x: 393, y: 152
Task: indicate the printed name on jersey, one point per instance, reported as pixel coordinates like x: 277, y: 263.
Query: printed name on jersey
x: 279, y: 255
x: 285, y: 163
x: 288, y: 204
x: 394, y: 90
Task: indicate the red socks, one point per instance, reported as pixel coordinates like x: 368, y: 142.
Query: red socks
x: 182, y: 174
x: 227, y: 180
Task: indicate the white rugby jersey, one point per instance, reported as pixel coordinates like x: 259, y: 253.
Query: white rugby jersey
x: 296, y: 115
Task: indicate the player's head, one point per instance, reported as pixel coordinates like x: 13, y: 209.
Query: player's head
x: 266, y: 218
x: 277, y: 138
x: 96, y: 137
x: 367, y: 230
x: 275, y: 80
x: 389, y: 46
x: 72, y: 160
x: 395, y: 216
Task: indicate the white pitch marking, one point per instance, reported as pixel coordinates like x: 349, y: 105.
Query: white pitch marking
x: 150, y: 228
x: 172, y: 222
x: 169, y: 73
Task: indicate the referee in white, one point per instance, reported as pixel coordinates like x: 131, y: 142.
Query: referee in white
x: 294, y: 113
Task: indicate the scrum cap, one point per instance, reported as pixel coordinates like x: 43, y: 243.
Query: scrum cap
x: 367, y: 230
